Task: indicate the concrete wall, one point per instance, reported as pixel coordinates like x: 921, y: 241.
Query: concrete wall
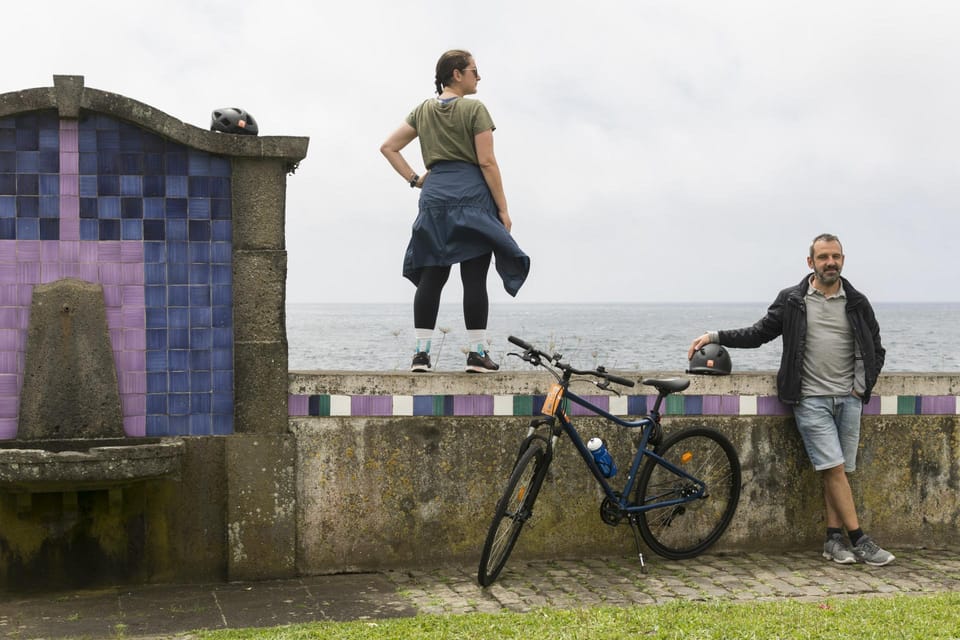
x: 377, y: 491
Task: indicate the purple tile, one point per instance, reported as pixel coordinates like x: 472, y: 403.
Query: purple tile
x: 70, y: 229
x: 721, y: 405
x: 8, y: 428
x: 132, y: 273
x: 9, y: 295
x: 9, y: 339
x: 473, y: 405
x: 771, y: 406
x: 114, y: 317
x: 133, y: 317
x: 8, y: 251
x: 133, y: 404
x: 69, y: 187
x: 24, y: 295
x: 8, y: 272
x: 371, y: 405
x: 134, y: 340
x: 10, y: 362
x: 9, y: 317
x: 729, y: 405
x: 28, y: 272
x: 69, y: 163
x: 131, y: 296
x: 872, y: 408
x: 136, y: 359
x: 28, y: 250
x: 49, y: 272
x: 49, y: 251
x: 135, y: 426
x: 601, y: 401
x: 70, y: 270
x: 88, y: 251
x: 298, y: 405
x: 69, y: 251
x: 90, y: 272
x: 131, y: 252
x: 9, y: 405
x: 108, y: 252
x: 69, y: 210
x: 111, y: 295
x: 69, y: 135
x: 938, y: 405
x: 110, y: 274
x: 9, y: 384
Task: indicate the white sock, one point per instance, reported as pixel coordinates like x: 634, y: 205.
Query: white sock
x: 424, y: 337
x: 475, y: 340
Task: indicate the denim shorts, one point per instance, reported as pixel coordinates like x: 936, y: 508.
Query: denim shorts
x: 830, y: 428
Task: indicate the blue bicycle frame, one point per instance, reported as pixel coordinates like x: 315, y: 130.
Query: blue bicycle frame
x: 648, y: 423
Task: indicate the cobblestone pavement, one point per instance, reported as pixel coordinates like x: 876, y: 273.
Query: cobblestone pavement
x: 173, y: 611
x: 524, y: 586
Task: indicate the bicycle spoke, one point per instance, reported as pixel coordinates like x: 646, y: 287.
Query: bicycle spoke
x: 513, y: 511
x: 707, y: 503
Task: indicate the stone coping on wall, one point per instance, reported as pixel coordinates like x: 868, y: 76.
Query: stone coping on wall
x: 343, y: 393
x: 70, y: 97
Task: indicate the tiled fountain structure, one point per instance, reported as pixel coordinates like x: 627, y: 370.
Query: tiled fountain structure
x: 181, y: 232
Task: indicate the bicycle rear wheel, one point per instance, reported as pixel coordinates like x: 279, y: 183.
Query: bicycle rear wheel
x: 688, y: 529
x: 513, y: 510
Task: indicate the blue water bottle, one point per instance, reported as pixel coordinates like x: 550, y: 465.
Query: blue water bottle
x: 602, y: 457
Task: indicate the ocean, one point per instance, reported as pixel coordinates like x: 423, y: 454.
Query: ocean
x: 918, y: 337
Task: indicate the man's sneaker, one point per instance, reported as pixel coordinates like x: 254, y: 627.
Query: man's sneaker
x: 868, y: 552
x: 480, y: 363
x: 421, y: 363
x: 837, y: 549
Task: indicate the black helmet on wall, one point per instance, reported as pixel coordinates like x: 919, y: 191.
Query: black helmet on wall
x: 233, y: 120
x: 711, y: 359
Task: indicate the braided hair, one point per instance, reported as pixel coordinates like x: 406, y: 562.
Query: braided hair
x: 455, y: 59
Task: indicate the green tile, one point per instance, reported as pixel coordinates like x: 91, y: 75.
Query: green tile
x: 906, y: 405
x: 523, y: 405
x: 674, y: 406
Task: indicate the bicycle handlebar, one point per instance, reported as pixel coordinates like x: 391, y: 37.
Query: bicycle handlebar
x: 535, y: 357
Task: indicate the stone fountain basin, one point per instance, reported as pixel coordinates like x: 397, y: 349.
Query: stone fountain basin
x: 37, y: 466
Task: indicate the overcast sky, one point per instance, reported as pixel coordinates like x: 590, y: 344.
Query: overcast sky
x: 651, y: 150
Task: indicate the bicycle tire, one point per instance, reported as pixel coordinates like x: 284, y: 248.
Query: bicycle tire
x: 514, y: 508
x: 688, y: 529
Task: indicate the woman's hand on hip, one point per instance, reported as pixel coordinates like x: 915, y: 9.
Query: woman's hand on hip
x: 505, y: 219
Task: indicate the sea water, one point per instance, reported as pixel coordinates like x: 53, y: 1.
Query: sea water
x: 918, y: 337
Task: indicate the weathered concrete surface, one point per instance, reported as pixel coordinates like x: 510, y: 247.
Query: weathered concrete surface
x: 41, y: 467
x: 70, y: 382
x: 382, y: 492
x: 261, y: 492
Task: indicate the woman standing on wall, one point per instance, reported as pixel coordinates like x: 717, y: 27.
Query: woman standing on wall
x: 463, y: 217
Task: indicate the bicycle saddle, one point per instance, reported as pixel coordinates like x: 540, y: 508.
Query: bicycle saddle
x: 667, y: 385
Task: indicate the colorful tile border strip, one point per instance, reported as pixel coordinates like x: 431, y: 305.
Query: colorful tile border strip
x: 526, y: 405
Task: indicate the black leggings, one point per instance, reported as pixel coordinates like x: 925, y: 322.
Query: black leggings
x: 476, y: 306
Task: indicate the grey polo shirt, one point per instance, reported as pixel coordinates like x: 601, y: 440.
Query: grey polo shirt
x: 829, y: 357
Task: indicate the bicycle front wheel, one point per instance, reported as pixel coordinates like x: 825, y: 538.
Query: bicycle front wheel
x: 513, y: 510
x: 687, y: 529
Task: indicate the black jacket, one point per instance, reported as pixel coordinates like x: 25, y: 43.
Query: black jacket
x: 787, y: 317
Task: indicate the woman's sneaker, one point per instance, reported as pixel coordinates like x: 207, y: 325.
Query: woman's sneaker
x: 421, y: 363
x: 837, y: 549
x: 868, y: 552
x: 480, y: 363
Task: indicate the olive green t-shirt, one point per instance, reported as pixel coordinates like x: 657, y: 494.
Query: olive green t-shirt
x: 447, y: 129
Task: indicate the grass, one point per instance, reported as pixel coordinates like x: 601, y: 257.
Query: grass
x: 883, y: 618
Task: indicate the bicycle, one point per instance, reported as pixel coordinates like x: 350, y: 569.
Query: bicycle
x: 681, y: 491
